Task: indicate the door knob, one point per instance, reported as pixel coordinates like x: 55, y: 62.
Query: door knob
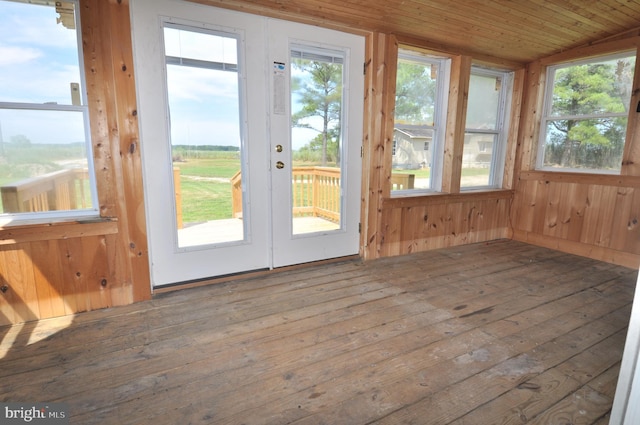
x: 278, y: 148
x: 279, y: 165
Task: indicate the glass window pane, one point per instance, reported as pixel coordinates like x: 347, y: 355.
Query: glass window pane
x: 598, y: 87
x: 476, y: 159
x: 586, y: 112
x: 484, y: 102
x: 416, y: 116
x: 483, y: 151
x: 43, y: 167
x: 416, y: 92
x: 39, y: 56
x: 585, y: 143
x: 412, y: 156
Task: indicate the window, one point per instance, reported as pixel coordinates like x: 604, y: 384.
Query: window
x: 585, y: 114
x: 45, y: 152
x: 485, y: 128
x: 420, y: 116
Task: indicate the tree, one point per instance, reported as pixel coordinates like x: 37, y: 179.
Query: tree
x: 591, y: 90
x: 21, y: 140
x: 320, y: 92
x: 415, y: 93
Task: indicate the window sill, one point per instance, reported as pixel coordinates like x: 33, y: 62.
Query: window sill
x: 436, y: 198
x: 583, y: 178
x: 33, y: 230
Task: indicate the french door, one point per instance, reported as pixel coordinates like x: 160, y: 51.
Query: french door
x: 251, y: 131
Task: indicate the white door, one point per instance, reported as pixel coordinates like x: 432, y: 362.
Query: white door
x: 316, y: 200
x: 237, y: 176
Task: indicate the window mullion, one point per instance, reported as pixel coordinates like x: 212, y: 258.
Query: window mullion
x: 586, y: 116
x: 42, y: 106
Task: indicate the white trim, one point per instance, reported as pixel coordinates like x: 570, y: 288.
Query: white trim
x: 498, y: 152
x: 626, y: 404
x: 443, y: 80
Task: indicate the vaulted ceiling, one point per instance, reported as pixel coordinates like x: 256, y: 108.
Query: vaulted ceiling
x: 516, y: 30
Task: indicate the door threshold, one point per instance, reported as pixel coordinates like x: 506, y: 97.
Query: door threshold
x: 246, y: 275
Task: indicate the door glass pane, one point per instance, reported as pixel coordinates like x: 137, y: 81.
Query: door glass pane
x: 316, y: 139
x: 203, y: 97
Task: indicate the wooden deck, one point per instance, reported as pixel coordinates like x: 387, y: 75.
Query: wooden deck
x: 229, y: 230
x: 488, y: 333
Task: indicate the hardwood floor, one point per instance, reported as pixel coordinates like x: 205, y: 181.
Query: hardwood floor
x: 501, y: 332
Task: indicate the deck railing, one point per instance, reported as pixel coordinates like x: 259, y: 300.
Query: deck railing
x: 400, y: 181
x: 56, y: 191
x: 315, y: 192
x: 236, y: 195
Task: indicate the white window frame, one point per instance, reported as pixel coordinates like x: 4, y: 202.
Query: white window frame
x: 498, y: 153
x: 439, y: 118
x: 63, y: 215
x: 548, y: 103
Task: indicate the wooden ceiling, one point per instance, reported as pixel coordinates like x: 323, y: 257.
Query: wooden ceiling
x: 515, y: 30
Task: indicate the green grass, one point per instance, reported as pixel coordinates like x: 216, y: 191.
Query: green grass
x: 204, y: 200
x: 224, y: 165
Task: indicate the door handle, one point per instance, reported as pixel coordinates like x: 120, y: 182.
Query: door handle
x: 279, y: 165
x: 278, y: 148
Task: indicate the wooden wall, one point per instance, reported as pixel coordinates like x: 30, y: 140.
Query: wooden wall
x: 49, y: 270
x: 402, y: 225
x: 596, y: 216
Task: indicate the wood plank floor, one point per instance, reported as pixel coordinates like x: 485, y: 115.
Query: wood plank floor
x: 495, y: 333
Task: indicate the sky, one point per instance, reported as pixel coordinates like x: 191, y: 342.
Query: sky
x: 204, y: 102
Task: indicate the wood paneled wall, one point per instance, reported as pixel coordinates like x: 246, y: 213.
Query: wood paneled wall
x: 595, y: 216
x: 402, y: 225
x: 439, y: 221
x: 49, y: 270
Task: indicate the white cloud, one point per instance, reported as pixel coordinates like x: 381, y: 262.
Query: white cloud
x: 29, y: 25
x: 15, y: 55
x: 195, y: 84
x: 38, y: 57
